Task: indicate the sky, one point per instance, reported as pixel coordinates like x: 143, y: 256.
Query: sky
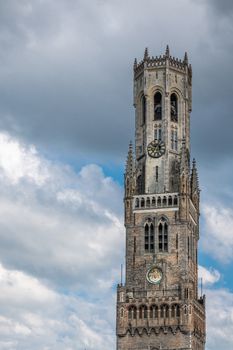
x: 66, y: 119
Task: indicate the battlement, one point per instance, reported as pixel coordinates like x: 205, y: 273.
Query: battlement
x: 165, y: 60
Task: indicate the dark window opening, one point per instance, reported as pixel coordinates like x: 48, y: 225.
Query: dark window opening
x: 174, y: 108
x: 143, y: 312
x: 132, y: 312
x: 163, y: 236
x: 154, y: 311
x: 156, y: 173
x: 158, y: 106
x: 143, y: 109
x: 149, y: 237
x: 164, y: 311
x: 142, y: 203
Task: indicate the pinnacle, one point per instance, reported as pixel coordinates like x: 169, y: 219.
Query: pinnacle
x: 130, y: 159
x: 194, y: 177
x: 167, y: 52
x: 146, y: 54
x: 186, y: 58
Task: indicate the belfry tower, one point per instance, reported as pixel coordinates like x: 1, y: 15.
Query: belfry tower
x: 159, y: 307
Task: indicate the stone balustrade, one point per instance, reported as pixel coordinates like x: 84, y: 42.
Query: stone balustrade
x: 164, y: 200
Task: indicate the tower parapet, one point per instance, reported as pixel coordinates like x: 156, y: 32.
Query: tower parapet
x: 162, y: 61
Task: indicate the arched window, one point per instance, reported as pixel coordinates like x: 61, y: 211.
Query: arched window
x: 174, y: 108
x: 163, y: 235
x: 132, y: 313
x: 142, y: 202
x: 164, y: 311
x: 159, y: 202
x: 148, y: 202
x: 157, y: 106
x: 143, y: 101
x: 149, y: 236
x: 158, y: 133
x: 174, y: 140
x: 175, y: 310
x: 143, y: 312
x: 154, y: 311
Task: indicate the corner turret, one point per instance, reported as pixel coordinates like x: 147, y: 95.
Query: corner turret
x: 194, y: 186
x: 184, y: 181
x: 129, y: 183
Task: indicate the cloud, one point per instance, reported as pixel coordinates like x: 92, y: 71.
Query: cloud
x: 224, y: 7
x: 209, y: 276
x: 61, y: 244
x: 66, y: 80
x: 33, y: 316
x: 219, y: 319
x: 58, y: 224
x: 18, y: 163
x: 218, y: 230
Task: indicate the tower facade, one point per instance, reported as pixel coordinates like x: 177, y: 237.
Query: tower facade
x: 158, y: 307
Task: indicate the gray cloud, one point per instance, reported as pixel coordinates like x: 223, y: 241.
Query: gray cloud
x: 66, y: 72
x: 224, y: 7
x: 67, y: 223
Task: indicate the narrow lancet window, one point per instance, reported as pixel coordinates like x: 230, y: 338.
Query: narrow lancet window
x: 174, y: 108
x: 157, y: 106
x: 149, y: 236
x: 163, y: 235
x: 143, y: 109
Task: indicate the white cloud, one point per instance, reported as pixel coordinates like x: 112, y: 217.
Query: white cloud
x: 61, y: 242
x: 218, y: 230
x: 18, y: 162
x: 219, y: 319
x: 59, y: 225
x: 209, y: 276
x: 33, y: 316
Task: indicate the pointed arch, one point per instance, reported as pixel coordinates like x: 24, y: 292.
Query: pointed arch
x: 157, y: 106
x: 143, y: 312
x: 149, y: 236
x: 164, y: 311
x: 163, y: 235
x: 132, y: 312
x: 153, y: 311
x: 174, y: 107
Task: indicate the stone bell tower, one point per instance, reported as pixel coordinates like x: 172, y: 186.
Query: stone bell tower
x: 159, y: 307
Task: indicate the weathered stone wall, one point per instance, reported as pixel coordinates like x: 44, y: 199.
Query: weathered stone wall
x: 166, y: 315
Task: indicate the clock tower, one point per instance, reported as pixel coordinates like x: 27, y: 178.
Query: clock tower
x: 158, y: 307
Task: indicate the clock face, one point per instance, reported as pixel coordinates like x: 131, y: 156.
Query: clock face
x: 154, y: 275
x: 156, y: 148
